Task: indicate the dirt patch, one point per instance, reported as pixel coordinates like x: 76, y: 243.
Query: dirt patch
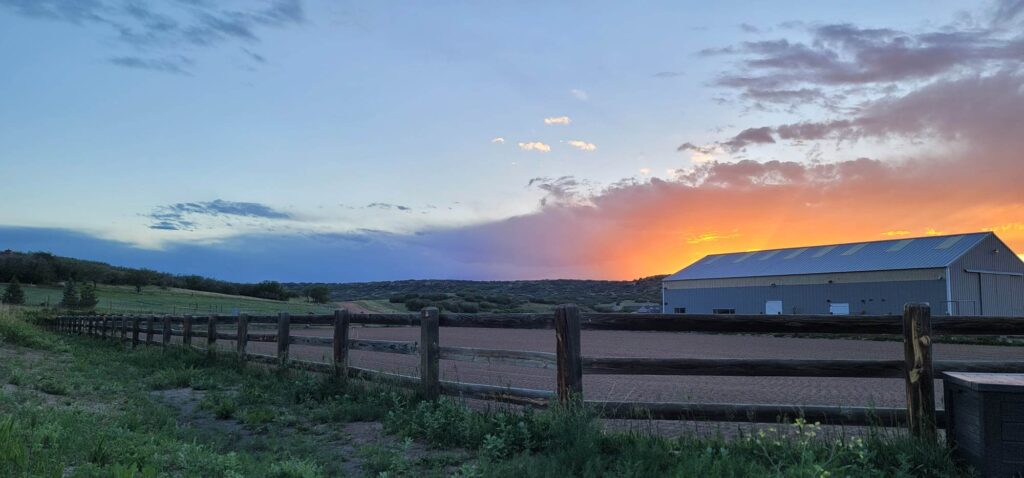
x: 355, y: 308
x: 186, y: 402
x: 29, y: 356
x: 48, y: 399
x: 345, y: 446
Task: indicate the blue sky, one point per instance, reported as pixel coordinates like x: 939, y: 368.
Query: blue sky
x: 179, y: 130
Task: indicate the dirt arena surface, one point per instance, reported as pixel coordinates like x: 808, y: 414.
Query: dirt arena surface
x: 708, y: 389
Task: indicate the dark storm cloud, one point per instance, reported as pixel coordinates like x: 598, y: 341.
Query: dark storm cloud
x: 845, y: 57
x: 184, y: 216
x: 564, y: 190
x: 168, y: 65
x: 166, y: 30
x: 388, y: 206
x: 749, y: 136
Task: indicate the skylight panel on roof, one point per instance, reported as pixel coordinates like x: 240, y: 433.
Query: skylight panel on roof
x: 853, y: 250
x: 769, y: 255
x: 744, y: 257
x: 823, y: 251
x: 795, y: 253
x: 899, y: 245
x: 949, y: 242
x: 712, y: 259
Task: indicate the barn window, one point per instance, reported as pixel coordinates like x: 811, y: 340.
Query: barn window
x: 723, y: 311
x: 680, y: 310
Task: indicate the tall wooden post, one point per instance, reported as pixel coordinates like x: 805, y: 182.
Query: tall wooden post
x: 104, y: 327
x: 283, y: 338
x: 167, y: 331
x: 341, y: 325
x: 90, y: 327
x: 242, y: 335
x: 211, y: 335
x: 151, y: 330
x: 186, y: 331
x: 567, y: 352
x: 917, y: 352
x: 430, y: 353
x: 135, y: 331
x: 124, y: 328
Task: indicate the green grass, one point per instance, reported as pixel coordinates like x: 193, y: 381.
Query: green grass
x: 124, y: 299
x: 88, y: 408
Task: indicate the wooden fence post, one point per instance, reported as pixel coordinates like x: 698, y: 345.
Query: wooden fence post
x: 430, y: 353
x: 242, y: 335
x: 341, y: 325
x: 149, y: 330
x: 135, y: 331
x: 917, y: 352
x: 283, y: 338
x: 89, y: 329
x: 186, y: 331
x: 167, y: 331
x: 211, y: 335
x: 567, y: 351
x: 103, y: 327
x: 124, y: 328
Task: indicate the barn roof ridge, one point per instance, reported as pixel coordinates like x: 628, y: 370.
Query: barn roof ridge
x: 902, y: 253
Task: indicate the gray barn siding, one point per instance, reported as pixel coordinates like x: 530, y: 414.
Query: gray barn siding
x: 1004, y: 295
x: 865, y: 298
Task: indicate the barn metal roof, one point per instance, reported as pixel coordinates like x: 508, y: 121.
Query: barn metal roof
x: 897, y: 254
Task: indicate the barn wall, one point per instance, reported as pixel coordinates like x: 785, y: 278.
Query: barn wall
x: 811, y: 294
x: 987, y: 294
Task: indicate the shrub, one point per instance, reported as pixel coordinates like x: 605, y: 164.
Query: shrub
x: 16, y: 330
x: 13, y: 294
x: 70, y: 297
x: 88, y: 299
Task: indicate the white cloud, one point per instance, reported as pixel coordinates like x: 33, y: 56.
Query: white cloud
x: 535, y: 146
x: 579, y: 94
x: 645, y: 171
x: 557, y: 120
x: 498, y: 139
x: 582, y: 145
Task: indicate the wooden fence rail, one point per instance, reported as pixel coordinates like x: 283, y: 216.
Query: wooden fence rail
x: 917, y: 368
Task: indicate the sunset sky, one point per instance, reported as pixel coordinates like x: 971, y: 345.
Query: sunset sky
x: 350, y: 141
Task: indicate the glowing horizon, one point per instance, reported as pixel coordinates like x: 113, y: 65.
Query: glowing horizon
x: 299, y: 140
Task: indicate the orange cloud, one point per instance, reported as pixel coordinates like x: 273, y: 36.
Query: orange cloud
x: 710, y: 237
x: 638, y: 229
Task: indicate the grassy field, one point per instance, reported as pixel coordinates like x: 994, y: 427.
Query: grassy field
x: 79, y: 407
x: 124, y: 299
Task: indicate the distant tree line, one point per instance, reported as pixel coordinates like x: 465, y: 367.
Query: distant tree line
x: 502, y: 295
x: 464, y: 301
x: 43, y: 268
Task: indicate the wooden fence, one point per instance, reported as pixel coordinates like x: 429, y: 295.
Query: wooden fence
x: 917, y: 368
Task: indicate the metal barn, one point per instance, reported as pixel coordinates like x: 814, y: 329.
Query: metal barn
x: 966, y: 274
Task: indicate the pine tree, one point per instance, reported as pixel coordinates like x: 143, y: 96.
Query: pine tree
x: 13, y: 293
x: 70, y: 299
x: 88, y: 299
